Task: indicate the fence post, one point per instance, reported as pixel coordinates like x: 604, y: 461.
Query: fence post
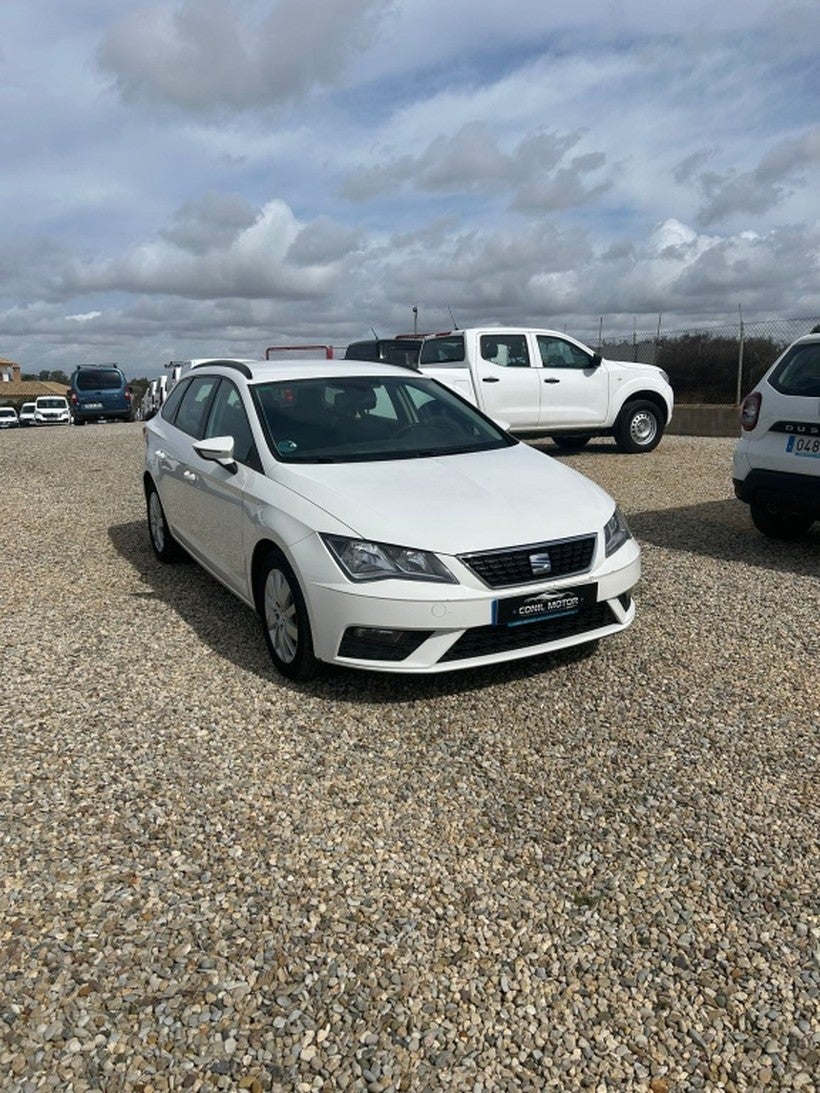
x: 740, y: 360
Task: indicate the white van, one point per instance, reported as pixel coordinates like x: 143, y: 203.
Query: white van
x: 51, y: 410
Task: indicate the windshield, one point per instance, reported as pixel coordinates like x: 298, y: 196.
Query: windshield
x: 799, y: 371
x: 55, y: 403
x: 98, y: 379
x: 339, y: 420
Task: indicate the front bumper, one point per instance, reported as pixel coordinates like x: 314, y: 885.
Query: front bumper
x: 416, y: 627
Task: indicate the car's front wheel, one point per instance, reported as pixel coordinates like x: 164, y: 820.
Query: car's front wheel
x: 777, y: 523
x: 165, y: 545
x: 639, y: 427
x: 285, y: 619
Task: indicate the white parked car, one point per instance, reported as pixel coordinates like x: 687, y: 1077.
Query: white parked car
x: 27, y: 413
x: 8, y: 418
x: 777, y: 458
x: 545, y: 383
x: 51, y: 410
x: 376, y: 519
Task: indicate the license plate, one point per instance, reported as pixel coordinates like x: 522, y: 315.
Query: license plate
x: 804, y: 445
x: 93, y: 406
x: 519, y: 610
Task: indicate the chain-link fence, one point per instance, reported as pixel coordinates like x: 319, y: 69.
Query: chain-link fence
x: 717, y: 364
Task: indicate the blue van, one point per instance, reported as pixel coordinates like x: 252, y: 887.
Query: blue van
x: 99, y: 392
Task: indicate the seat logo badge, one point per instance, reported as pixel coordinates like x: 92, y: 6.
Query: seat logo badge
x: 540, y: 564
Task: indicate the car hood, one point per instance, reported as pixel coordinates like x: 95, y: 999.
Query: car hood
x: 450, y: 504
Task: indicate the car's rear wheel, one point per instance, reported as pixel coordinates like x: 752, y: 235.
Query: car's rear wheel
x: 285, y: 619
x: 571, y: 442
x: 778, y: 523
x: 639, y: 427
x: 165, y: 545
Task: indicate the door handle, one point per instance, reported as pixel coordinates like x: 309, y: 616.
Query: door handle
x: 189, y: 475
x: 160, y: 453
x: 490, y: 379
x: 551, y: 379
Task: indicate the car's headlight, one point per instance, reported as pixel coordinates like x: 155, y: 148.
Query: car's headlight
x: 363, y: 560
x: 616, y: 532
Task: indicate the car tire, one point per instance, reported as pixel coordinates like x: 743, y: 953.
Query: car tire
x: 571, y: 442
x: 165, y: 545
x: 285, y: 621
x: 777, y: 523
x: 639, y: 427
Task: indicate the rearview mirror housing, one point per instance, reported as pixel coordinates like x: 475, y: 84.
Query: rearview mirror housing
x: 217, y: 449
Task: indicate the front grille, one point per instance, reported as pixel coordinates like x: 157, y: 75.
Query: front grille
x: 485, y: 640
x: 512, y: 566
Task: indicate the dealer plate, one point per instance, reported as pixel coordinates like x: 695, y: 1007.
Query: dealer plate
x: 519, y: 610
x: 804, y: 445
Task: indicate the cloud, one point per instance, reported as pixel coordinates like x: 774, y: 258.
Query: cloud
x: 219, y: 55
x: 767, y: 185
x: 273, y: 255
x: 85, y: 318
x: 533, y: 174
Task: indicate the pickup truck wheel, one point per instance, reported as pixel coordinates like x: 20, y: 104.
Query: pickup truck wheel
x: 165, y: 545
x: 571, y: 442
x: 777, y: 523
x: 639, y: 427
x: 285, y: 619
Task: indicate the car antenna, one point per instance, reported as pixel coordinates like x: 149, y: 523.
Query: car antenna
x: 452, y: 318
x: 375, y: 335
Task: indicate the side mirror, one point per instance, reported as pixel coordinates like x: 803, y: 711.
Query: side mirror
x: 217, y: 449
x: 596, y: 360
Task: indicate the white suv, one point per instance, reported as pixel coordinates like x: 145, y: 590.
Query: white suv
x: 777, y: 459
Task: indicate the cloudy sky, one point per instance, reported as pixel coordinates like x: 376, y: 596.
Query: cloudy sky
x: 207, y: 177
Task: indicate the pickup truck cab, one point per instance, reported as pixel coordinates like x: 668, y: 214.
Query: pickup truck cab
x: 542, y: 382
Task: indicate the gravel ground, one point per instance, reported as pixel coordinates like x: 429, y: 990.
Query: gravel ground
x: 573, y: 873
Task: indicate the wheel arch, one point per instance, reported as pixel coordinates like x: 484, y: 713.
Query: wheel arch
x: 262, y: 549
x: 642, y: 395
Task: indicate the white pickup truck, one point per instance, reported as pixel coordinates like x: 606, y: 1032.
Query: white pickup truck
x: 542, y: 382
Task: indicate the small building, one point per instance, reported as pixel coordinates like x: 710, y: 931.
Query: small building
x: 15, y: 391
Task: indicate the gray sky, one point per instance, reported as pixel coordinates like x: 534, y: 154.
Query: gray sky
x: 185, y: 179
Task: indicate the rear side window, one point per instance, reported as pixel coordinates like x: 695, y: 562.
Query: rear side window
x: 799, y: 371
x: 98, y: 379
x: 506, y: 350
x: 193, y: 409
x: 171, y: 404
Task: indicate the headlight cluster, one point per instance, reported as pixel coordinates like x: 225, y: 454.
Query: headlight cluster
x: 616, y: 532
x: 362, y: 560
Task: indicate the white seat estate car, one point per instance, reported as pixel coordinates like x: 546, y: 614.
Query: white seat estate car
x: 777, y: 458
x: 375, y: 519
